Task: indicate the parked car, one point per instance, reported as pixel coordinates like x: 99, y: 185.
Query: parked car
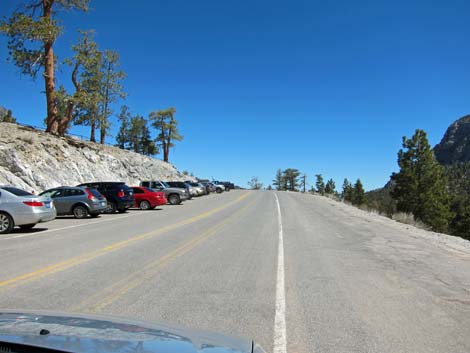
x: 207, y: 186
x: 182, y: 185
x: 228, y: 185
x: 118, y: 194
x: 23, y: 209
x: 174, y: 195
x: 219, y: 188
x: 147, y: 199
x: 200, y: 189
x: 77, y: 201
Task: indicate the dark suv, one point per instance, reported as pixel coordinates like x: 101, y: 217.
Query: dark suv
x: 118, y: 194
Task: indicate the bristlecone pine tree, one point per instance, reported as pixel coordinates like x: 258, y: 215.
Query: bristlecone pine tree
x: 32, y: 31
x: 420, y: 185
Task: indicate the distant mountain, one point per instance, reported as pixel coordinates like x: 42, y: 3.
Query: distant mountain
x: 455, y: 145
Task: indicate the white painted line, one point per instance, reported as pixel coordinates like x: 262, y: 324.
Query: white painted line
x: 280, y: 338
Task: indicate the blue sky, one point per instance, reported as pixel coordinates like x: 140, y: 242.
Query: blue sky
x: 323, y: 86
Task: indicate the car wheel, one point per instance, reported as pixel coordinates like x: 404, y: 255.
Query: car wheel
x: 219, y: 191
x: 6, y: 223
x: 27, y: 226
x: 111, y: 208
x: 144, y: 205
x: 80, y: 212
x: 174, y: 199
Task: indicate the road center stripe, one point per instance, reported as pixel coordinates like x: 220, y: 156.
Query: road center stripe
x: 280, y: 340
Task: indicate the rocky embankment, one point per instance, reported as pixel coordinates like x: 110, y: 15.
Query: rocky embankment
x: 35, y: 160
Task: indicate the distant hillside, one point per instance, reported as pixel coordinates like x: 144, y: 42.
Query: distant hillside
x: 455, y: 145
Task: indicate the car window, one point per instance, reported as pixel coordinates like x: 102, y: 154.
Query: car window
x: 52, y: 193
x: 16, y: 191
x: 73, y: 192
x: 146, y: 183
x: 95, y: 192
x: 137, y: 191
x: 149, y: 190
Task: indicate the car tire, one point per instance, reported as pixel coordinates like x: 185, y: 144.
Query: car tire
x: 27, y: 226
x: 174, y: 199
x: 111, y: 208
x: 80, y: 212
x: 144, y: 205
x: 122, y: 210
x: 6, y: 223
x: 219, y: 190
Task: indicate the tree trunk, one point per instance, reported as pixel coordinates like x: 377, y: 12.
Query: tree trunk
x: 52, y: 125
x: 93, y: 128
x: 104, y: 117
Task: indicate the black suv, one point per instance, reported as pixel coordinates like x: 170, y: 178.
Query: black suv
x: 118, y: 194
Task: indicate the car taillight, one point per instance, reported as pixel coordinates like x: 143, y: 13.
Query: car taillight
x: 33, y: 203
x: 120, y: 194
x: 90, y: 195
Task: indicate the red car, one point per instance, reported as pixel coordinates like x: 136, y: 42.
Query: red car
x: 147, y: 199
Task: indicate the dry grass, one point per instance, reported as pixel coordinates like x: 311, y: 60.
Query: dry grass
x: 408, y: 218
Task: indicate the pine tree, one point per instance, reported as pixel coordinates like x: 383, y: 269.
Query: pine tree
x: 6, y: 116
x: 320, y: 184
x: 165, y: 123
x: 330, y: 187
x: 420, y: 185
x: 359, y: 193
x: 32, y: 30
x: 278, y: 181
x: 122, y: 138
x: 348, y: 191
x: 291, y: 179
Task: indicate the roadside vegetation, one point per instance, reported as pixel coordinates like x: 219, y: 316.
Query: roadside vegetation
x: 95, y: 75
x: 422, y: 193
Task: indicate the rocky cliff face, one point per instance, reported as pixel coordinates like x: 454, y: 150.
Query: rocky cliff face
x: 35, y: 160
x: 455, y: 145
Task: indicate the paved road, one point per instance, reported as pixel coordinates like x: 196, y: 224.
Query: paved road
x: 351, y: 283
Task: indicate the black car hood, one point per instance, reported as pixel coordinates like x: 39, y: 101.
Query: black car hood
x: 105, y: 334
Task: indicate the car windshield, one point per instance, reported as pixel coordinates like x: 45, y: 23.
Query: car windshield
x: 16, y: 191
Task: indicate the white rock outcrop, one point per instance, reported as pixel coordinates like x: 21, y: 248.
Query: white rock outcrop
x: 34, y: 160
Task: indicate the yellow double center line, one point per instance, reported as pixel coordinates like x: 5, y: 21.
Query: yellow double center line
x: 110, y: 294
x: 78, y: 260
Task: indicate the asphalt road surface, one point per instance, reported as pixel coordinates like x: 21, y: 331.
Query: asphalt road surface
x: 319, y: 279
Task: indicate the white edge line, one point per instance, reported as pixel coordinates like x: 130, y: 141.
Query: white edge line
x: 280, y: 337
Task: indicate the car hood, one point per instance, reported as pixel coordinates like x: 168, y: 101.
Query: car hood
x: 106, y: 334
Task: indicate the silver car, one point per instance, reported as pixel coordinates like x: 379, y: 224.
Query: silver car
x: 20, y: 208
x: 77, y: 201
